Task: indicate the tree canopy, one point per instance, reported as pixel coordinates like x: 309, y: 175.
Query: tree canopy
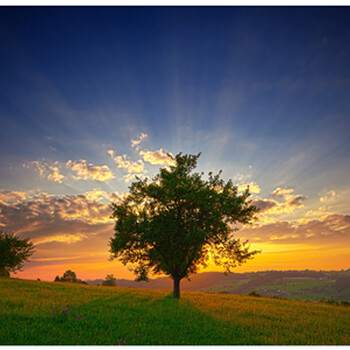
x: 69, y: 276
x: 110, y: 280
x: 179, y: 222
x: 14, y: 252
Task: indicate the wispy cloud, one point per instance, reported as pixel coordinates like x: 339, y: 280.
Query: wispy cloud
x: 317, y: 231
x: 328, y: 196
x: 55, y: 174
x: 69, y: 239
x: 254, y: 188
x: 86, y: 171
x: 134, y: 169
x: 158, y: 157
x: 272, y: 206
x: 282, y: 192
x: 51, y: 172
x: 124, y: 163
x: 321, y: 211
x: 136, y: 143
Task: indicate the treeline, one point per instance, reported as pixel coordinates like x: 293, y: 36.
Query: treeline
x: 202, y: 281
x: 71, y: 277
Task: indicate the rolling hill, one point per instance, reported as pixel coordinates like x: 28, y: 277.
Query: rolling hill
x: 48, y: 313
x: 296, y: 285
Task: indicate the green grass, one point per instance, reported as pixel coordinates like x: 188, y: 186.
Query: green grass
x: 300, y: 289
x: 224, y: 286
x: 152, y: 317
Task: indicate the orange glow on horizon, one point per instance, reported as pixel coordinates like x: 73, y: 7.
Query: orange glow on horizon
x: 273, y: 257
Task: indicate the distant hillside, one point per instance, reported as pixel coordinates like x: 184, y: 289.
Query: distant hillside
x: 298, y: 285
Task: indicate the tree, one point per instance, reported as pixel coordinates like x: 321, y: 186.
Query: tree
x: 14, y: 252
x: 110, y: 280
x: 69, y: 276
x: 57, y: 279
x: 179, y: 222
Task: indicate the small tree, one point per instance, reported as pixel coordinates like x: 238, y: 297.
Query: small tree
x: 14, y: 252
x: 69, y: 276
x: 180, y: 221
x: 57, y: 279
x: 110, y: 280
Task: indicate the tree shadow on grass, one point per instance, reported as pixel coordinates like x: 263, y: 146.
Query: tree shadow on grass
x: 137, y: 318
x: 181, y: 323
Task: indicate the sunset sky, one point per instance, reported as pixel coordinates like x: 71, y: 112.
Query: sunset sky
x: 92, y: 96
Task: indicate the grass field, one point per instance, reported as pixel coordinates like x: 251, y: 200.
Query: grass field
x: 299, y: 290
x: 293, y: 288
x: 33, y: 312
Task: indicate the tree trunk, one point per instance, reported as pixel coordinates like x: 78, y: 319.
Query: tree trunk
x: 176, y: 293
x: 4, y: 272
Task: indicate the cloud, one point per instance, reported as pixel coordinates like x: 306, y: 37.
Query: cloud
x: 136, y: 143
x: 51, y: 172
x: 55, y: 175
x: 321, y: 211
x: 86, y: 171
x: 295, y: 201
x: 325, y: 230
x: 116, y: 197
x: 69, y: 239
x: 96, y: 195
x: 265, y: 204
x: 253, y: 187
x: 124, y: 163
x: 282, y: 192
x: 130, y: 177
x: 158, y: 157
x: 66, y: 219
x: 242, y: 178
x: 61, y: 227
x: 328, y: 196
x: 39, y: 166
x: 8, y: 197
x: 133, y: 168
x: 272, y: 206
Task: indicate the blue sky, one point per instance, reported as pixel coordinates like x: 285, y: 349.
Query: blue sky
x: 262, y: 92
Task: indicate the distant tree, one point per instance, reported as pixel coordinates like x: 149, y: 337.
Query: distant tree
x: 110, y: 280
x: 69, y: 276
x: 179, y: 221
x: 57, y: 279
x: 14, y: 252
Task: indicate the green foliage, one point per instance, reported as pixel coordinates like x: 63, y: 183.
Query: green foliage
x: 177, y: 222
x: 69, y: 276
x: 253, y: 293
x: 14, y: 252
x: 47, y: 313
x: 110, y: 280
x: 4, y: 273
